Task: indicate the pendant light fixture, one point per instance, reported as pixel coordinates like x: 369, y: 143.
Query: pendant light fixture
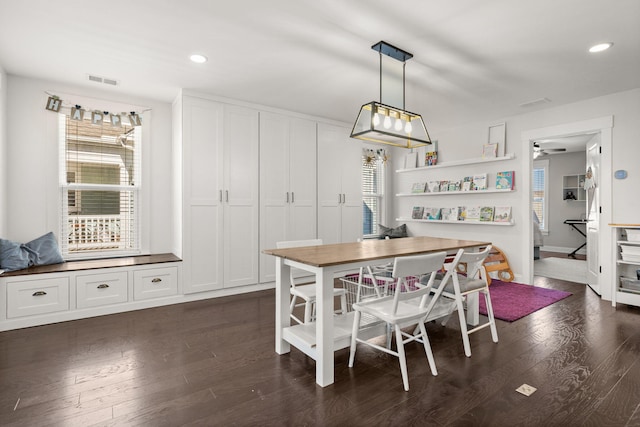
x: 383, y: 123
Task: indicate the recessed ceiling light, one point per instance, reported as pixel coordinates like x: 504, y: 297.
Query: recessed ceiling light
x: 600, y: 47
x: 198, y: 59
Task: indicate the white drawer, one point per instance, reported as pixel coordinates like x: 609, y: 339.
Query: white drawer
x: 93, y: 290
x: 154, y: 283
x: 37, y: 296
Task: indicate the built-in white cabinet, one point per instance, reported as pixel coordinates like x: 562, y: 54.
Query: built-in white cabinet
x: 220, y: 195
x: 288, y: 209
x: 626, y: 279
x: 339, y: 185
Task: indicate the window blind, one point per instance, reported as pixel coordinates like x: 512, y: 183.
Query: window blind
x: 540, y: 195
x: 100, y: 183
x: 372, y: 194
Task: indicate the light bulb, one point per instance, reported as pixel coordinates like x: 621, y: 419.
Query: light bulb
x: 398, y: 125
x: 376, y: 119
x: 407, y: 127
x: 387, y: 122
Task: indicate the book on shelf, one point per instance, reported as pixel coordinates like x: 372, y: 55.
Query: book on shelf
x: 502, y: 214
x: 479, y: 182
x: 411, y: 160
x: 467, y: 182
x: 486, y: 213
x: 453, y: 186
x: 489, y: 151
x: 433, y: 186
x: 431, y: 213
x: 505, y: 180
x: 417, y: 212
x: 418, y: 187
x: 431, y: 158
x: 462, y: 213
x: 449, y: 214
x: 472, y: 213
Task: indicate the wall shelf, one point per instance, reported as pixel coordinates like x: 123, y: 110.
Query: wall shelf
x: 459, y: 163
x: 454, y: 193
x: 573, y: 188
x: 440, y: 221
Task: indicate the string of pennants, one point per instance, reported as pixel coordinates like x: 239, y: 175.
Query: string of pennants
x: 54, y: 103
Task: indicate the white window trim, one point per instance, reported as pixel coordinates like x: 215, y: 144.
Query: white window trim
x: 544, y: 164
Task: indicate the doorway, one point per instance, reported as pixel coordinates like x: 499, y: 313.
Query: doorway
x: 602, y: 128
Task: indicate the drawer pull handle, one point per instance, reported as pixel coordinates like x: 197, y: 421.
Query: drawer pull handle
x: 39, y: 293
x: 103, y: 286
x: 156, y: 280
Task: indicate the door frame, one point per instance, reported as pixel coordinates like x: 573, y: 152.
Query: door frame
x: 602, y: 125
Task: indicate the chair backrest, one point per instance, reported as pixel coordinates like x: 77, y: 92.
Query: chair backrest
x: 294, y: 272
x: 475, y: 263
x: 415, y: 265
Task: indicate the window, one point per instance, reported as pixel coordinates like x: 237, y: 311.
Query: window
x: 541, y: 192
x: 372, y: 191
x: 100, y: 185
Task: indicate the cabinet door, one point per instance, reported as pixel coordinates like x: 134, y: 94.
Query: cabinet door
x: 241, y: 209
x: 329, y: 183
x: 303, y: 182
x: 351, y: 189
x: 202, y: 192
x: 274, y: 188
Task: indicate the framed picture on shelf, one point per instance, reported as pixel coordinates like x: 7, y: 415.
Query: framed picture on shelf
x: 498, y: 135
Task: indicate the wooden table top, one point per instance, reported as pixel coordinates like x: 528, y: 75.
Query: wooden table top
x: 368, y: 250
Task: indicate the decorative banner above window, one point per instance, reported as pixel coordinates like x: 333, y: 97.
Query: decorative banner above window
x: 54, y: 103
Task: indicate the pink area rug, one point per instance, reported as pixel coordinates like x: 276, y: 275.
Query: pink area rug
x: 512, y: 301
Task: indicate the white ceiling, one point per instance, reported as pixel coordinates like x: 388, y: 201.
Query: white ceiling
x: 473, y: 60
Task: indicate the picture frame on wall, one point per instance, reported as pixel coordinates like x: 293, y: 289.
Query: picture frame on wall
x: 498, y: 135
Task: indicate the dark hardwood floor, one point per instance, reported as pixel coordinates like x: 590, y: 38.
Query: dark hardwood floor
x: 213, y: 363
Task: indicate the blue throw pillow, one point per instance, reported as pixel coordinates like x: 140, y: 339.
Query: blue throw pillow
x: 44, y: 250
x: 41, y: 251
x: 13, y: 256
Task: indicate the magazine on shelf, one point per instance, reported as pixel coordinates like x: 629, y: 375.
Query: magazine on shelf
x: 467, y: 182
x: 472, y: 213
x: 418, y: 187
x: 411, y: 160
x: 502, y: 214
x: 431, y: 158
x: 505, y: 180
x: 433, y: 187
x: 449, y: 214
x: 417, y: 212
x: 486, y: 213
x: 479, y: 182
x: 431, y: 213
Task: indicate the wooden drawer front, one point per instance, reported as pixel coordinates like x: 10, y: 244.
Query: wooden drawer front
x: 154, y: 283
x: 31, y: 297
x: 94, y: 290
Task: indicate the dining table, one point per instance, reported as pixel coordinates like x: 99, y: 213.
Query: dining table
x: 329, y: 332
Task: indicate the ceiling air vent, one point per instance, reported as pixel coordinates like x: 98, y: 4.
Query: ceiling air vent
x: 535, y: 102
x: 105, y: 80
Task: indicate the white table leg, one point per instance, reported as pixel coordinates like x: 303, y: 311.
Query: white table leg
x: 282, y: 305
x: 324, y: 327
x: 473, y: 309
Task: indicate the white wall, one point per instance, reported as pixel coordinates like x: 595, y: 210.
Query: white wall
x: 3, y: 152
x: 32, y: 205
x: 561, y: 236
x: 466, y: 141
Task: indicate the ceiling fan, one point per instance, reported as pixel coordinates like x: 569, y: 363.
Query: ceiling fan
x: 540, y: 151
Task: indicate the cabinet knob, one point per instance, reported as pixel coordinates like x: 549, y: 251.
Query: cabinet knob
x: 103, y: 286
x: 39, y: 293
x: 156, y: 280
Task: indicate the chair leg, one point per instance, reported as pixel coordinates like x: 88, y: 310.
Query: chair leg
x: 308, y: 306
x: 401, y: 356
x: 463, y: 328
x: 343, y: 304
x: 354, y: 337
x: 492, y: 320
x: 427, y: 349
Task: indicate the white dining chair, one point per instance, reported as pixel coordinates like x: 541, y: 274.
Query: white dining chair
x: 300, y: 287
x: 400, y: 310
x: 458, y: 287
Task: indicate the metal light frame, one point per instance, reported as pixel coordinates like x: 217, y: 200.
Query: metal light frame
x: 374, y: 122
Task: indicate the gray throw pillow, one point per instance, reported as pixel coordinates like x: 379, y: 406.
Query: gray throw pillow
x: 41, y: 251
x: 393, y: 233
